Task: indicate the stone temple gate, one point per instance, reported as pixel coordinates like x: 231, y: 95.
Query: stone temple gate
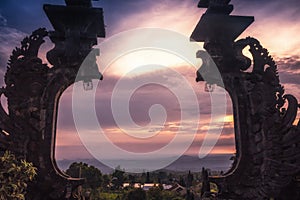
x: 267, y: 141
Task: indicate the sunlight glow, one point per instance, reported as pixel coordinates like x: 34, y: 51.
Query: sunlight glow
x: 228, y: 118
x: 135, y: 62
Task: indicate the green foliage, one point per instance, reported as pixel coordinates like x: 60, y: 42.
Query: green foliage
x: 105, y: 183
x: 168, y: 195
x: 178, y: 198
x: 154, y: 193
x: 82, y: 170
x: 109, y: 196
x: 157, y: 193
x: 110, y: 187
x: 136, y: 194
x: 118, y: 178
x: 14, y: 176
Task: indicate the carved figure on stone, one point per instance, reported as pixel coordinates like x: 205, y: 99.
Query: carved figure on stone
x: 267, y: 140
x: 33, y: 90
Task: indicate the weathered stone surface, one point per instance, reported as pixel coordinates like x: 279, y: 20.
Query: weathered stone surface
x: 33, y: 90
x: 268, y: 154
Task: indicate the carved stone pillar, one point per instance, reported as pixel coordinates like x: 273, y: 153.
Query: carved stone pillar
x: 33, y: 90
x: 267, y: 142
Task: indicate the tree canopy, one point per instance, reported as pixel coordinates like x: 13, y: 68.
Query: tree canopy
x: 92, y: 175
x: 14, y: 176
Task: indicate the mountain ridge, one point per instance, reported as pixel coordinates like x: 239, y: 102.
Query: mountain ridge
x: 214, y: 162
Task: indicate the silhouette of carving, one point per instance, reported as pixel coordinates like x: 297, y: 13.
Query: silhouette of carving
x: 33, y: 90
x: 267, y: 158
x: 267, y: 143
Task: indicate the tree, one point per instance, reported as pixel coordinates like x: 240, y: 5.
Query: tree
x: 105, y: 182
x: 143, y: 177
x: 182, y: 181
x: 162, y: 176
x: 154, y: 193
x: 136, y: 194
x: 92, y: 175
x: 170, y: 195
x: 118, y: 178
x: 189, y: 195
x: 131, y: 179
x: 14, y: 176
x: 148, y: 178
x: 190, y: 179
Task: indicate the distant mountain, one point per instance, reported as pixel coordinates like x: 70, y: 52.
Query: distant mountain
x: 215, y: 162
x: 195, y: 164
x: 64, y: 164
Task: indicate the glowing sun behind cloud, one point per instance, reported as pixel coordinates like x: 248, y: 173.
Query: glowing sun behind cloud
x: 137, y: 62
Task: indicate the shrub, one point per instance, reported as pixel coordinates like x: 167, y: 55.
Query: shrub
x: 14, y: 176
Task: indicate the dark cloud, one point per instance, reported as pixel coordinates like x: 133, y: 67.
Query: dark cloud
x: 3, y: 21
x: 289, y: 69
x: 3, y: 61
x: 9, y: 39
x: 291, y: 63
x: 72, y: 152
x: 31, y: 16
x: 224, y: 145
x: 289, y: 78
x: 225, y: 142
x: 25, y: 16
x: 118, y: 13
x: 141, y: 147
x: 228, y: 129
x: 270, y: 8
x: 139, y: 105
x: 142, y: 100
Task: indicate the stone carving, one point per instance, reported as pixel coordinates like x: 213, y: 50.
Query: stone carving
x: 33, y: 90
x: 267, y: 142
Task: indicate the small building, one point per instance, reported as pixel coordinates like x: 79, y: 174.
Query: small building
x: 167, y: 187
x: 178, y: 189
x: 147, y: 186
x: 135, y: 185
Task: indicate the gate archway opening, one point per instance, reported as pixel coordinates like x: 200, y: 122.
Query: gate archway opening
x: 69, y: 147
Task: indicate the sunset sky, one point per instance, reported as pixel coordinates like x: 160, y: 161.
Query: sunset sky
x: 277, y: 26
